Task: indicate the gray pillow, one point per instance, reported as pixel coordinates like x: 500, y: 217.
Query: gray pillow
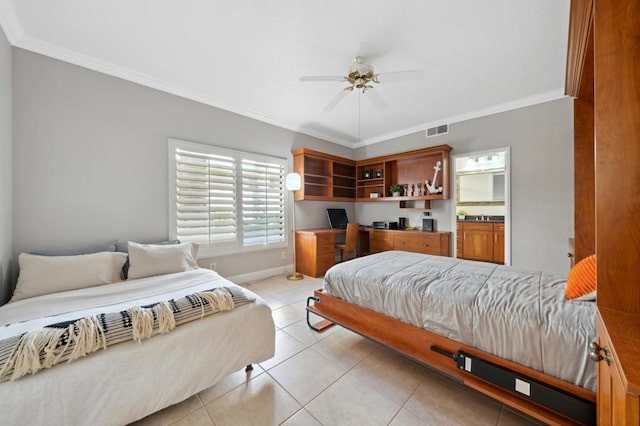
x: 124, y: 248
x: 75, y: 252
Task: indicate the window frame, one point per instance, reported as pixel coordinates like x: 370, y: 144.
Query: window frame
x: 235, y: 246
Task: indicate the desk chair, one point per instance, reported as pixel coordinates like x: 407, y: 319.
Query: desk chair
x: 350, y: 241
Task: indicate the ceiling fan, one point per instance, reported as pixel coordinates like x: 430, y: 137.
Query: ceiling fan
x: 360, y: 76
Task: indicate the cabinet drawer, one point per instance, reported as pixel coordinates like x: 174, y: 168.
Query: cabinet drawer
x: 423, y: 243
x: 324, y: 262
x: 381, y: 236
x: 377, y: 246
x: 325, y: 248
x: 325, y: 239
x: 475, y: 226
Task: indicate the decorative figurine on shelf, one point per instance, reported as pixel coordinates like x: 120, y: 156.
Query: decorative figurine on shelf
x: 405, y: 190
x: 377, y: 174
x: 410, y: 190
x: 366, y: 174
x: 431, y: 187
x: 419, y: 189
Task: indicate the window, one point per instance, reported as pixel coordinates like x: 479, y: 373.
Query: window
x: 228, y: 201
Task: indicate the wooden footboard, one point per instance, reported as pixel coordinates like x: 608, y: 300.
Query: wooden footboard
x: 417, y: 343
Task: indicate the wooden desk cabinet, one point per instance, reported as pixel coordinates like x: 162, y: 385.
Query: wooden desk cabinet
x: 436, y: 243
x: 380, y: 240
x: 315, y: 248
x: 315, y: 251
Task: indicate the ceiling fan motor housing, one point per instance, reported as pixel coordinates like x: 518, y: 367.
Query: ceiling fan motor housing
x: 360, y: 74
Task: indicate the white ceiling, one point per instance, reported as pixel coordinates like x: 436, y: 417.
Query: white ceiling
x: 247, y: 56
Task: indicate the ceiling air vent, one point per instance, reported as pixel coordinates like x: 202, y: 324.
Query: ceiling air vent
x: 438, y: 130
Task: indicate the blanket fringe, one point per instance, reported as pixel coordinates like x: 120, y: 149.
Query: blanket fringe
x: 164, y: 314
x: 86, y: 335
x: 217, y: 300
x: 141, y: 322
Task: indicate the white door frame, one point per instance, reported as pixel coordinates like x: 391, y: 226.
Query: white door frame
x: 507, y: 197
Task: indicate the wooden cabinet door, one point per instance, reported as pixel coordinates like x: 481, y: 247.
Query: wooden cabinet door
x: 459, y: 246
x: 477, y: 241
x: 498, y: 243
x: 615, y: 406
x: 380, y: 241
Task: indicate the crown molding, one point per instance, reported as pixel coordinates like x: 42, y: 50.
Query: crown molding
x: 39, y: 46
x: 494, y: 109
x: 16, y: 36
x: 10, y: 23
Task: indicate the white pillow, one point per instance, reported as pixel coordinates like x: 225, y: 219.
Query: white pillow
x: 51, y: 274
x: 147, y: 260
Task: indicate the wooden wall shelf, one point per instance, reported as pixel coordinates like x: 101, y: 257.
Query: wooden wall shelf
x: 330, y: 178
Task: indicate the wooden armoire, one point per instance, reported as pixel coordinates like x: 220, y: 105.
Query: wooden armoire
x: 603, y: 74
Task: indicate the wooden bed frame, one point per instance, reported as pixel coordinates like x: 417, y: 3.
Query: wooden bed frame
x: 417, y: 344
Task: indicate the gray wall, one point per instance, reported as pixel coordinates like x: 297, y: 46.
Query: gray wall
x: 91, y: 157
x: 541, y: 141
x: 90, y: 164
x: 5, y: 167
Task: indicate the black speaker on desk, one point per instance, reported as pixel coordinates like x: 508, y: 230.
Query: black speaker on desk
x: 427, y: 224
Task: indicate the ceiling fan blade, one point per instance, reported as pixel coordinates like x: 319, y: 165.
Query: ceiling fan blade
x: 392, y: 76
x: 322, y: 78
x: 336, y: 100
x: 376, y: 100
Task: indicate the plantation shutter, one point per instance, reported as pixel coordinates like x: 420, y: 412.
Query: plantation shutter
x: 205, y: 197
x: 228, y: 201
x: 262, y: 202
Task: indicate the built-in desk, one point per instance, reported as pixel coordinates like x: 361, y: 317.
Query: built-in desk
x: 315, y: 248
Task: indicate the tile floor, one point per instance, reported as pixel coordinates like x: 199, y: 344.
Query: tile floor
x: 330, y: 378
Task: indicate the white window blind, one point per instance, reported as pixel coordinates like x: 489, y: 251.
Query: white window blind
x: 224, y: 198
x: 205, y: 197
x: 262, y: 202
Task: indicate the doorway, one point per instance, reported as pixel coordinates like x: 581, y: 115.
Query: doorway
x: 482, y: 208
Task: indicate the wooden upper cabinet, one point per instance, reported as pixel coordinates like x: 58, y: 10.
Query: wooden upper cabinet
x: 411, y: 169
x: 327, y: 177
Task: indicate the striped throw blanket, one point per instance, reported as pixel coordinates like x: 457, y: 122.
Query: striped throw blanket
x: 70, y: 340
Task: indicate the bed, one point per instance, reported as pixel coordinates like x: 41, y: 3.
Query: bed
x: 129, y: 380
x: 435, y: 308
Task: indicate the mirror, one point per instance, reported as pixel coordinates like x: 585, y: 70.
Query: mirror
x: 480, y: 187
x: 480, y: 179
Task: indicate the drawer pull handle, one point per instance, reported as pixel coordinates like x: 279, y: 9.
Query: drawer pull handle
x: 596, y: 356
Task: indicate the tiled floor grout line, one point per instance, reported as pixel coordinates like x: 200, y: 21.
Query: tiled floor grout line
x: 278, y: 298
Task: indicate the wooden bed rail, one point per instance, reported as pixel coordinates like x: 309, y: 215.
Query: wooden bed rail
x: 416, y: 343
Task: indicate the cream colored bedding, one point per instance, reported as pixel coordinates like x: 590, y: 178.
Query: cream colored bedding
x: 130, y: 380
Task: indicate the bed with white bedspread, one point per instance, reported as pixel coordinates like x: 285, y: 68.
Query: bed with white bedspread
x: 130, y: 380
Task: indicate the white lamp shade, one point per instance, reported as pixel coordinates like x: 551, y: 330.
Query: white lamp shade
x: 293, y: 182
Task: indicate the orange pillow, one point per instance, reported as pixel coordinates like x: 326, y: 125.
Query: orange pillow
x: 581, y: 282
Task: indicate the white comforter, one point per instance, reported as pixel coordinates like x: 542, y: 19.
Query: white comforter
x: 517, y: 314
x: 128, y: 381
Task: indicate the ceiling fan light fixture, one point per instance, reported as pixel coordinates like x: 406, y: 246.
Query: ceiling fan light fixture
x: 360, y: 74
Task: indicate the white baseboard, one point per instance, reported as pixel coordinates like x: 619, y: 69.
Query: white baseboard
x: 259, y: 275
